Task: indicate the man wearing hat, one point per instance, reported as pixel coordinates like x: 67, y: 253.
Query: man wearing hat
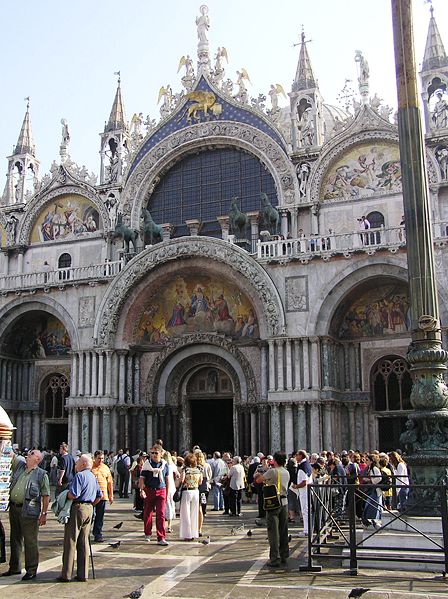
x: 28, y: 506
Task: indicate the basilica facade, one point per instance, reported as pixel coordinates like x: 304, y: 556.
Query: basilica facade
x: 236, y: 278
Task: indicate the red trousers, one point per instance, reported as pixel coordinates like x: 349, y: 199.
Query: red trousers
x: 155, y: 499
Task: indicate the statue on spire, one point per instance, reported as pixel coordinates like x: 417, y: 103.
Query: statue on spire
x: 63, y: 148
x: 203, y: 25
x: 363, y: 76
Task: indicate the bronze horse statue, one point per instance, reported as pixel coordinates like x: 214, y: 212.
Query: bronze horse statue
x: 152, y: 231
x: 269, y: 214
x: 126, y: 233
x: 237, y: 220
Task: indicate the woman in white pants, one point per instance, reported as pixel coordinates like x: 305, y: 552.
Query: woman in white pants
x: 191, y: 478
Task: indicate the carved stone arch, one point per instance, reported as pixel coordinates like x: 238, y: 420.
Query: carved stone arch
x: 39, y: 202
x: 433, y: 168
x: 333, y: 293
x: 183, y: 348
x: 19, y: 307
x: 144, y: 177
x: 182, y: 373
x: 338, y: 147
x: 206, y: 248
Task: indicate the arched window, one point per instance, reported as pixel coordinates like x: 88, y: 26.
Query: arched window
x: 65, y: 261
x: 391, y: 385
x: 376, y: 220
x: 54, y: 392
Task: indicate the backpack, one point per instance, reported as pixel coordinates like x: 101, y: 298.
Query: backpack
x: 203, y: 486
x: 121, y: 466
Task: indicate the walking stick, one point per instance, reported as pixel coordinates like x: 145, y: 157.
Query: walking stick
x: 91, y: 559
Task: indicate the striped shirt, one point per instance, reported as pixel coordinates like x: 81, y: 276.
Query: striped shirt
x: 103, y: 476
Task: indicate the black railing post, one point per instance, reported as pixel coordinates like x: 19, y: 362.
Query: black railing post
x: 352, y: 530
x: 444, y: 515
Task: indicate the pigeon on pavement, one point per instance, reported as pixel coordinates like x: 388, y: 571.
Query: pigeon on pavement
x: 137, y: 593
x: 115, y: 545
x: 358, y: 591
x: 118, y: 526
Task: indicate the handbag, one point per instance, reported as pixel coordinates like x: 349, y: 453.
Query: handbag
x: 271, y: 495
x: 178, y: 494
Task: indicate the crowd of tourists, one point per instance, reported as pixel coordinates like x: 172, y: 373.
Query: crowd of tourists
x: 167, y: 487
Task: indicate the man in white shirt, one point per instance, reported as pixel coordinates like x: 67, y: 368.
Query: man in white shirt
x: 237, y: 484
x: 303, y: 480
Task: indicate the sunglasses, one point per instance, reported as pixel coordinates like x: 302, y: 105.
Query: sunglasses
x: 154, y: 452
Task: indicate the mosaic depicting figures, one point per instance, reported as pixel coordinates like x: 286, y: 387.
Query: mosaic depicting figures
x: 362, y: 172
x: 37, y: 335
x: 199, y: 303
x: 67, y: 217
x: 381, y: 311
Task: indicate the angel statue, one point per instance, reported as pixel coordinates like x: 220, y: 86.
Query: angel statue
x: 188, y: 78
x: 364, y: 70
x: 136, y: 123
x: 242, y: 95
x: 167, y: 94
x: 218, y: 73
x: 186, y: 62
x: 274, y: 93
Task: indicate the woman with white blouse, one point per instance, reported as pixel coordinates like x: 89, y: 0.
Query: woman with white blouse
x: 373, y: 507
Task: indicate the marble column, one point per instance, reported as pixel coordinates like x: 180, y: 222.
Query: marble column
x: 289, y: 429
x: 358, y: 384
x: 130, y: 379
x: 264, y: 442
x: 4, y: 377
x: 106, y: 442
x: 328, y: 439
x: 133, y: 412
x: 352, y: 367
x: 87, y: 384
x: 253, y: 219
x: 280, y: 368
x: 325, y: 365
x: 122, y: 375
x: 247, y: 437
x: 253, y: 431
x: 149, y: 427
x: 351, y: 425
x: 275, y: 428
x: 141, y: 426
x: 108, y: 372
x: 289, y: 364
x: 302, y: 442
x: 306, y: 364
x: 174, y: 426
x: 84, y: 430
x: 346, y: 350
x: 80, y: 373
x: 297, y: 364
x: 224, y: 224
x: 27, y: 428
x: 284, y: 224
x: 74, y: 375
x: 264, y: 373
x: 75, y: 430
x: 315, y: 366
x: 101, y: 374
x: 114, y: 429
x: 136, y: 379
x: 95, y: 436
x: 272, y: 385
x: 367, y: 446
x: 315, y: 444
x: 36, y: 440
x: 94, y: 373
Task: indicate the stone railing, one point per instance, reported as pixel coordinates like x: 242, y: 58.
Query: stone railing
x: 60, y: 276
x: 325, y: 246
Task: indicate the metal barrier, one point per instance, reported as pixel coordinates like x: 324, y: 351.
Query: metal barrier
x: 331, y: 533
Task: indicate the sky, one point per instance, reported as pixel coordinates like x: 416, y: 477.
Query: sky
x: 64, y: 54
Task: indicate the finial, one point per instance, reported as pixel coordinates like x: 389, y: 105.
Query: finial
x: 27, y: 100
x: 119, y: 76
x: 303, y: 35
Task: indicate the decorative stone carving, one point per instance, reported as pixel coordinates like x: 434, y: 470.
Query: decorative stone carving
x: 296, y: 292
x: 217, y: 133
x: 44, y: 197
x: 442, y: 159
x: 202, y: 247
x: 194, y: 339
x: 86, y: 311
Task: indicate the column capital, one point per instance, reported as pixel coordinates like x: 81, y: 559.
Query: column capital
x: 351, y: 406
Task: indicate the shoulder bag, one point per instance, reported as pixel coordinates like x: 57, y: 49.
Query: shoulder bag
x: 271, y: 495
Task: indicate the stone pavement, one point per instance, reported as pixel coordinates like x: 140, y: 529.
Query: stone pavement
x: 230, y: 567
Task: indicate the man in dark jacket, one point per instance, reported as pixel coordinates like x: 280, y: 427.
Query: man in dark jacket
x: 28, y: 507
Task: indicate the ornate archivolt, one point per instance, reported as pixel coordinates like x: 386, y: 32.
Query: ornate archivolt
x: 172, y: 365
x: 208, y: 248
x: 39, y: 202
x: 214, y: 134
x: 19, y: 307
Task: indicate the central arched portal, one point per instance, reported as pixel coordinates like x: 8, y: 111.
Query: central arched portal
x: 209, y: 402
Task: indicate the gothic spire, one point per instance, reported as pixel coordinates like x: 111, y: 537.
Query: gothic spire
x: 117, y: 118
x: 304, y: 78
x: 25, y: 143
x: 435, y: 56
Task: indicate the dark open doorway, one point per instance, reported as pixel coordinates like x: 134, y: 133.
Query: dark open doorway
x: 389, y: 431
x: 212, y: 424
x: 56, y: 434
